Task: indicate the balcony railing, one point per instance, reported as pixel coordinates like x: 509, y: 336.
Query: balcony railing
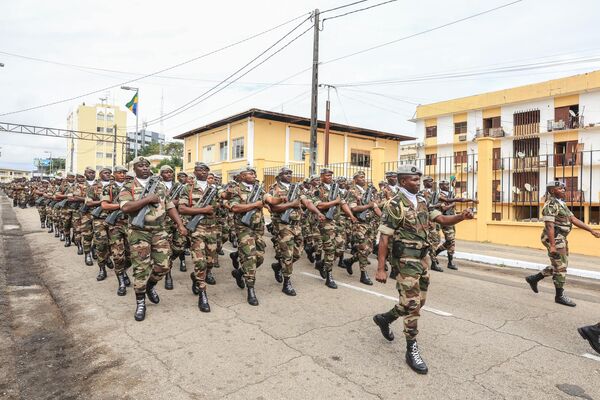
x: 527, y: 129
x: 560, y: 125
x: 491, y: 132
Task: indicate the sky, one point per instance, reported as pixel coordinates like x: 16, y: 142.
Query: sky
x: 54, y: 51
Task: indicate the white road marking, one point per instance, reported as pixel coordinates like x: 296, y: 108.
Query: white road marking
x: 591, y: 356
x: 10, y: 227
x: 385, y: 296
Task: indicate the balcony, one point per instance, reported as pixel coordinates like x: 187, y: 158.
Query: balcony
x: 490, y: 132
x: 561, y: 125
x: 527, y: 129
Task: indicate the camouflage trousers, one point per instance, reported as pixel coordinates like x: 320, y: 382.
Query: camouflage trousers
x: 48, y: 213
x: 289, y: 243
x: 119, y: 246
x: 66, y: 214
x: 434, y: 239
x: 412, y: 283
x: 77, y: 225
x: 204, y: 251
x: 177, y: 241
x: 315, y: 235
x: 306, y: 230
x: 42, y: 212
x: 251, y: 251
x: 558, y: 264
x: 150, y: 252
x: 101, y: 241
x: 449, y: 238
x: 56, y: 217
x: 86, y: 226
x: 342, y: 236
x: 362, y: 239
x: 330, y: 238
x: 275, y: 238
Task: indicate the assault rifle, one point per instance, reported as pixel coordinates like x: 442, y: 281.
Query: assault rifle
x: 206, y: 199
x: 294, y: 194
x: 60, y: 204
x: 84, y: 208
x: 138, y: 219
x: 177, y: 191
x: 333, y: 194
x: 252, y: 198
x: 113, y: 217
x: 366, y: 199
x: 97, y: 212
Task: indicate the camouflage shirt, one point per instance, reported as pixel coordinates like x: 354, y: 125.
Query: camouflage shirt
x: 191, y: 195
x: 154, y: 220
x: 280, y: 190
x: 321, y: 195
x: 240, y: 196
x: 94, y: 193
x: 555, y: 210
x: 355, y: 198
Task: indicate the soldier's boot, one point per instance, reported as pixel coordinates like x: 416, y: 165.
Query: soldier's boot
x: 186, y: 252
x: 220, y: 251
x: 67, y: 241
x: 203, y: 301
x: 383, y: 321
x: 414, y: 359
x: 591, y: 333
x: 43, y: 225
x: 168, y: 281
x: 195, y: 285
x: 101, y: 273
x: 238, y: 274
x: 182, y: 266
x: 287, y: 286
x: 88, y: 259
x: 364, y: 278
x: 329, y: 282
x: 451, y: 264
x: 277, y: 271
x: 50, y: 228
x: 439, y: 250
x: 79, y: 248
x: 233, y: 240
x: 320, y: 266
x: 310, y: 253
x: 436, y: 267
x: 126, y: 279
x: 122, y: 290
x: 140, y: 307
x: 110, y: 264
x: 73, y: 236
x: 151, y: 291
x: 210, y: 278
x: 560, y: 298
x: 533, y: 281
x: 252, y: 300
x: 94, y: 255
x: 394, y: 273
x: 341, y: 261
x: 235, y: 259
x: 62, y: 237
x: 347, y: 263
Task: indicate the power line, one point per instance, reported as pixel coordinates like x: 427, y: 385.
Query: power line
x: 343, y: 6
x: 157, y: 72
x: 358, y: 10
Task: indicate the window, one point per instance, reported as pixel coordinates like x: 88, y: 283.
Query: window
x: 109, y: 130
x: 430, y: 159
x: 99, y: 154
x: 299, y: 150
x: 526, y: 122
x: 460, y: 157
x: 238, y: 148
x: 490, y: 123
x: 99, y: 129
x: 360, y: 158
x: 109, y: 155
x: 566, y: 153
x: 223, y: 151
x: 189, y: 157
x: 100, y: 115
x: 98, y: 167
x: 207, y: 154
x: 100, y: 143
x: 496, y: 159
x: 431, y: 131
x: 460, y: 128
x: 109, y: 117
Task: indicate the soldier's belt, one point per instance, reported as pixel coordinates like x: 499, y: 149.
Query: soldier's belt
x: 400, y: 250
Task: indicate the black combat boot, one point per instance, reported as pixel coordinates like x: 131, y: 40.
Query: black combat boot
x: 384, y: 321
x: 235, y: 259
x: 168, y: 281
x: 110, y: 264
x: 126, y: 279
x: 79, y: 248
x: 210, y: 278
x: 122, y: 290
x: 220, y: 251
x: 560, y: 298
x: 203, y: 301
x: 94, y: 255
x: 310, y: 253
x: 347, y: 263
x: 238, y: 274
x: 101, y: 273
x: 394, y: 273
x: 67, y: 241
x: 533, y: 281
x: 320, y: 266
x: 287, y: 287
x: 591, y: 334
x: 182, y: 266
x: 341, y: 261
x: 364, y: 278
x: 50, y: 227
x: 329, y: 282
x: 277, y: 271
x: 451, y: 264
x: 252, y: 300
x: 61, y: 236
x: 140, y: 308
x: 439, y: 250
x: 43, y: 225
x: 413, y: 358
x: 233, y: 240
x: 436, y: 267
x: 195, y: 285
x: 88, y: 259
x: 186, y: 252
x: 151, y: 291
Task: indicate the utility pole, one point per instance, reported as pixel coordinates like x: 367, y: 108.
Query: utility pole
x: 314, y: 96
x: 114, y: 147
x: 327, y: 119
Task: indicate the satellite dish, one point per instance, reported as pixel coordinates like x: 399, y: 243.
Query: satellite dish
x: 520, y: 154
x: 528, y: 187
x: 572, y: 113
x: 514, y: 189
x: 518, y: 191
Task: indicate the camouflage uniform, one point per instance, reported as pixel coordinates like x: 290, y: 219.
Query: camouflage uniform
x: 362, y: 231
x: 435, y: 239
x: 117, y: 233
x: 177, y: 241
x: 329, y: 234
x: 101, y: 242
x: 556, y: 211
x: 77, y: 190
x: 449, y: 231
x: 87, y: 221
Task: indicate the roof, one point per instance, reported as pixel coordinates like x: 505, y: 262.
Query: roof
x: 296, y: 120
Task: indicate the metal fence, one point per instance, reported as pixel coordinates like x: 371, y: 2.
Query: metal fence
x: 519, y: 184
x: 270, y: 173
x: 347, y: 170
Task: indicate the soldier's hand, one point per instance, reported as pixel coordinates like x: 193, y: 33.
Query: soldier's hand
x: 553, y: 251
x: 321, y: 217
x: 296, y: 203
x: 210, y: 209
x: 381, y: 276
x: 152, y: 198
x: 468, y: 213
x: 371, y: 204
x: 182, y: 230
x: 258, y: 205
x: 596, y: 234
x: 354, y: 219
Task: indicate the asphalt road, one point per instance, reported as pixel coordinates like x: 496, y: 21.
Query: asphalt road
x: 484, y: 334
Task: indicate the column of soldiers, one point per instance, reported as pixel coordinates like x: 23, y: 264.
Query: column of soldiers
x: 146, y: 222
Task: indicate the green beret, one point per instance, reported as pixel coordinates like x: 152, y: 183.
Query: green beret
x: 88, y: 168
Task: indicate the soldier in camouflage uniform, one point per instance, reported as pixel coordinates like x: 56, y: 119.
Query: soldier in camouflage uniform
x: 404, y: 230
x: 87, y: 221
x: 251, y: 246
x: 315, y: 252
x: 101, y: 242
x: 149, y: 246
x: 76, y: 200
x: 558, y: 222
x: 40, y: 192
x: 432, y: 197
x: 182, y: 177
x: 117, y: 233
x: 204, y: 238
x: 288, y: 231
x: 344, y: 227
x: 66, y: 212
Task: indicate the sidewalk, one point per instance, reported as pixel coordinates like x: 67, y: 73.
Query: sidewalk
x: 522, y: 257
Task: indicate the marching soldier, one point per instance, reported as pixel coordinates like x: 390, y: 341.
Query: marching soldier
x: 66, y: 212
x: 404, y: 228
x: 40, y: 192
x: 432, y: 197
x: 87, y: 221
x: 101, y: 242
x: 149, y: 245
x: 77, y: 195
x: 558, y: 222
x: 182, y: 178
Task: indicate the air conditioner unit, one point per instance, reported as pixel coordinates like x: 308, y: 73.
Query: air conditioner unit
x: 462, y: 138
x: 468, y: 168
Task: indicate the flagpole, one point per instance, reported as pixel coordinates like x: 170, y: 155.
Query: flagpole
x: 137, y: 112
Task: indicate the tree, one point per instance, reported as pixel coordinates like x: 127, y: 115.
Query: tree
x: 173, y: 162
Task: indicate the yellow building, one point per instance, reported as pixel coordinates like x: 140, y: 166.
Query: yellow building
x: 267, y: 140
x: 103, y: 119
x: 8, y: 174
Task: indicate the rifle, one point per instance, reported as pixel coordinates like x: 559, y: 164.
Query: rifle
x: 206, y: 199
x: 138, y: 219
x: 177, y: 191
x: 295, y: 192
x: 333, y: 194
x: 113, y: 217
x: 367, y: 197
x: 97, y: 212
x: 252, y: 198
x: 84, y: 208
x: 60, y: 204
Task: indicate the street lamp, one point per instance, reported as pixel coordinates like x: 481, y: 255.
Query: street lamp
x: 49, y: 152
x: 137, y: 112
